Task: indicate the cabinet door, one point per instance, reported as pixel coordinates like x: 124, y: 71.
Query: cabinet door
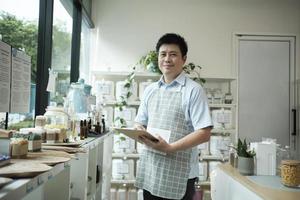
x: 265, y: 91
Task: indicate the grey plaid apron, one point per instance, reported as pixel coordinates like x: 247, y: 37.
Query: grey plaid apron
x: 165, y: 175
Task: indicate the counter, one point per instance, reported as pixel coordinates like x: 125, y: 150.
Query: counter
x: 71, y: 178
x: 229, y: 184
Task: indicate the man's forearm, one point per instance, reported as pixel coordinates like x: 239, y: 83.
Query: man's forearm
x: 193, y: 139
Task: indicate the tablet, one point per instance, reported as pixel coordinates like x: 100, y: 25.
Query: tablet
x: 134, y: 134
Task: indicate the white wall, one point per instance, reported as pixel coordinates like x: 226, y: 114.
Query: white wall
x: 127, y: 29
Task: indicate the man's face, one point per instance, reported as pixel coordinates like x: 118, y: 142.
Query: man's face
x: 170, y: 60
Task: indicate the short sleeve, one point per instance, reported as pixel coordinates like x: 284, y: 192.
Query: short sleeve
x: 199, y: 109
x: 142, y: 115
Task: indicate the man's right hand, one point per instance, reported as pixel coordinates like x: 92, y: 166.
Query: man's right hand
x: 138, y: 126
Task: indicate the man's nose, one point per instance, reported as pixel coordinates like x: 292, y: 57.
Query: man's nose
x: 167, y: 58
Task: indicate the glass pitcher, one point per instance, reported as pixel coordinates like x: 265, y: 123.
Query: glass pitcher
x: 78, y: 98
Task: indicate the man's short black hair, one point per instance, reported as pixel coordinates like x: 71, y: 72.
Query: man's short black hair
x: 173, y: 38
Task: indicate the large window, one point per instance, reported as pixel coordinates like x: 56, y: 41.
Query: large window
x: 61, y: 48
x: 19, y: 28
x: 84, y: 52
x: 50, y: 44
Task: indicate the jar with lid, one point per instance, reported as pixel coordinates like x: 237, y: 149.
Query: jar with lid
x: 56, y: 117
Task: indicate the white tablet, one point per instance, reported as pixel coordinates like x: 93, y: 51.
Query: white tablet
x: 134, y: 134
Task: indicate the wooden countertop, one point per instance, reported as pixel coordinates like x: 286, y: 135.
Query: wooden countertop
x: 266, y: 193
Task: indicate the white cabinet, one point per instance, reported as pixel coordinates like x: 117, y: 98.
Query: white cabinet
x: 91, y: 170
x: 42, y: 186
x: 229, y: 184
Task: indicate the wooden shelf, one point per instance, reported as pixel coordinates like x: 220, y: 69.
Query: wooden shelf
x: 123, y: 182
x: 223, y: 131
x: 126, y: 155
x: 222, y: 105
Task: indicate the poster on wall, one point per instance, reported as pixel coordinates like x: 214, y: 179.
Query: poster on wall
x: 20, y: 82
x: 5, y: 70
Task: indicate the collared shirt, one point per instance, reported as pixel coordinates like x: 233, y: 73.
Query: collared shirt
x: 194, y: 105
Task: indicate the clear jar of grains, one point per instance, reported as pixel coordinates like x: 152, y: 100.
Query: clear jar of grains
x: 290, y: 173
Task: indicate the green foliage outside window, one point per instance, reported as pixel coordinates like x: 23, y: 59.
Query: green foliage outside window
x: 20, y: 34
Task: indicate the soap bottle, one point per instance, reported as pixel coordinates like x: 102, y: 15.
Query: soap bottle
x: 82, y: 132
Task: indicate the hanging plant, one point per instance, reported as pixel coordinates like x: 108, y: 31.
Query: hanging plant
x: 191, y: 69
x: 122, y: 103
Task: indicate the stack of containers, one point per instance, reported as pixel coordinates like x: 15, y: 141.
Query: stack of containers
x: 105, y: 90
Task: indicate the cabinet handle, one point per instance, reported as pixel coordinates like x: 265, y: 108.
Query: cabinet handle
x: 294, y: 121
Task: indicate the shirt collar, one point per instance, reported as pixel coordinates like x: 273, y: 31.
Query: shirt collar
x: 180, y: 79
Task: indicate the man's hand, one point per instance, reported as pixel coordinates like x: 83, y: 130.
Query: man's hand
x: 139, y: 127
x: 160, y: 145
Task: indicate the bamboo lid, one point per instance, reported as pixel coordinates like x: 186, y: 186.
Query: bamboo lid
x: 290, y: 162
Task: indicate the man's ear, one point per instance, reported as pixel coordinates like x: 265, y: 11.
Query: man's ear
x: 184, y: 58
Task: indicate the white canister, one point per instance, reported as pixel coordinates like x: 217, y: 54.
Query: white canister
x: 122, y: 194
x: 224, y: 146
x: 113, y: 194
x: 203, y: 167
x: 128, y: 114
x: 105, y: 89
x: 215, y: 144
x: 217, y: 118
x: 139, y: 147
x: 213, y: 165
x: 227, y: 118
x: 203, y: 148
x: 142, y: 87
x: 222, y: 118
x: 140, y: 194
x: 108, y: 113
x: 122, y: 169
x: 132, y: 194
x: 122, y: 91
x: 122, y: 145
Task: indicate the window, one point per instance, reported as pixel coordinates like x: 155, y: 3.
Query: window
x: 84, y: 52
x: 24, y: 18
x: 61, y: 48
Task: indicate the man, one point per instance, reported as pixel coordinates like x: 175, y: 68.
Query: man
x: 176, y: 109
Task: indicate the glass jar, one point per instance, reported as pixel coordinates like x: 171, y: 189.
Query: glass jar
x: 56, y: 118
x: 290, y: 173
x: 77, y: 98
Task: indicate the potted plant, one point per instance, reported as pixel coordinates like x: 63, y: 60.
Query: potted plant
x: 245, y: 163
x: 150, y: 62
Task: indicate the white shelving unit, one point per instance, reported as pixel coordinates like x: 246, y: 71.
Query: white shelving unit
x: 225, y: 84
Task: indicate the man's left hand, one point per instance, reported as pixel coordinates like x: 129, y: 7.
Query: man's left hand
x: 160, y: 145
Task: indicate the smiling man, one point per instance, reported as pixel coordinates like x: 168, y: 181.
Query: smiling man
x: 175, y: 109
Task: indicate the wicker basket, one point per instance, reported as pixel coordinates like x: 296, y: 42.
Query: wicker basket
x: 290, y: 173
